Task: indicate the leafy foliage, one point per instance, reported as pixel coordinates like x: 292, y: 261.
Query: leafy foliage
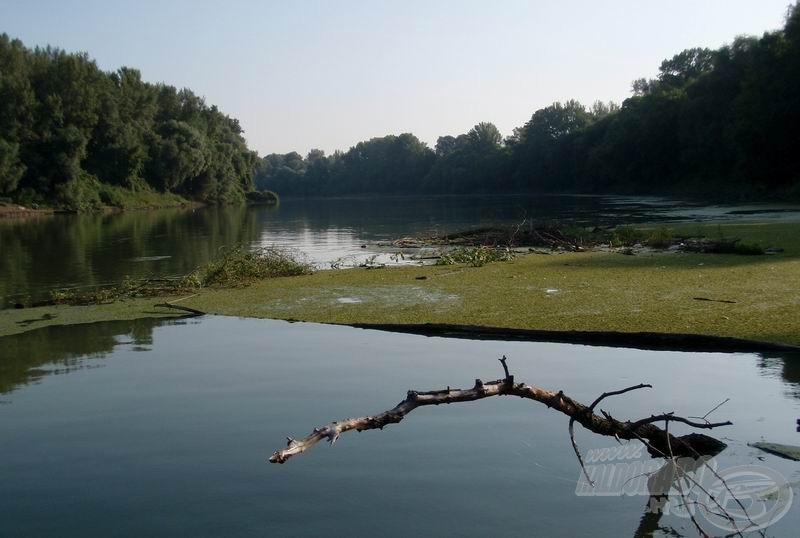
x: 235, y: 267
x: 66, y: 128
x: 475, y: 256
x: 239, y: 266
x: 660, y: 238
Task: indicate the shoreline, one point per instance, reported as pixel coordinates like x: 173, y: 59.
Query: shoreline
x: 649, y: 341
x: 636, y: 340
x: 12, y: 211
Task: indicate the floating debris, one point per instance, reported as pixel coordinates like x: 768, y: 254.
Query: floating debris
x: 789, y: 452
x: 149, y: 258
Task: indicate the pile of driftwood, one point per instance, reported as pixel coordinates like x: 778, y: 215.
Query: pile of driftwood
x: 552, y: 237
x: 540, y: 236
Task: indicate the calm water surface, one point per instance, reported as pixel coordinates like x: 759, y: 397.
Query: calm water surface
x: 89, y: 250
x: 163, y: 428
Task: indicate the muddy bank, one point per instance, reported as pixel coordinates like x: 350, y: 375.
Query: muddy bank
x: 15, y: 211
x: 637, y: 340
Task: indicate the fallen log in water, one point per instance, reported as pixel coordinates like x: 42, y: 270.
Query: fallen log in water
x: 658, y: 440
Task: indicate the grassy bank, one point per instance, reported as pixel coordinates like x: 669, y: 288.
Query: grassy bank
x: 753, y: 297
x: 93, y: 196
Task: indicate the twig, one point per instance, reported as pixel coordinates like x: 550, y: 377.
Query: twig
x: 617, y: 392
x: 590, y: 409
x: 192, y: 311
x: 577, y: 450
x: 720, y: 404
x: 671, y: 416
x: 505, y: 368
x: 680, y: 475
x: 183, y: 298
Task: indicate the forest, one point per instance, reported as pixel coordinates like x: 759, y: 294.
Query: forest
x: 78, y: 137
x: 720, y: 123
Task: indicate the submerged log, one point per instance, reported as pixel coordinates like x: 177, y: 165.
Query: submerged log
x: 659, y: 441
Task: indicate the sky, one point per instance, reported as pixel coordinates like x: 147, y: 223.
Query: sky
x: 327, y: 74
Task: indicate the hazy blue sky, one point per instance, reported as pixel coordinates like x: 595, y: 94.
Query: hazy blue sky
x: 304, y: 74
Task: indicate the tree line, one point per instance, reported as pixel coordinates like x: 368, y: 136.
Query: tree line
x: 719, y: 121
x: 722, y: 122
x: 77, y: 136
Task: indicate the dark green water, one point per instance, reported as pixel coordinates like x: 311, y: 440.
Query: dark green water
x: 163, y: 429
x: 37, y: 256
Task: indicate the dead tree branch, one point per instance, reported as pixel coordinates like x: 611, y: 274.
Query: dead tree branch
x: 660, y: 440
x: 190, y: 310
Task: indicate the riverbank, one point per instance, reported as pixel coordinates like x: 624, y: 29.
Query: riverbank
x: 10, y: 210
x: 131, y: 202
x: 727, y: 295
x: 117, y: 199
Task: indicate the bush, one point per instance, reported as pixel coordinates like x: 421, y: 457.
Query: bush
x: 627, y: 236
x: 79, y: 194
x: 262, y: 197
x: 111, y: 196
x: 660, y: 238
x: 238, y: 266
x: 475, y: 256
x: 748, y: 249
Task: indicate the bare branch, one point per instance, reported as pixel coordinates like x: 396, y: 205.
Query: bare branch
x: 505, y: 367
x: 671, y: 416
x: 616, y: 392
x: 689, y: 445
x: 190, y: 310
x: 590, y: 409
x: 720, y: 404
x: 578, y: 451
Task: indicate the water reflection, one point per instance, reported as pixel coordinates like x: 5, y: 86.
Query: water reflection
x: 786, y: 366
x: 64, y: 347
x: 27, y: 357
x: 174, y: 439
x: 89, y: 250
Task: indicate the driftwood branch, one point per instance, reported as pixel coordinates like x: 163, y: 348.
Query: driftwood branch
x: 188, y: 309
x: 659, y: 441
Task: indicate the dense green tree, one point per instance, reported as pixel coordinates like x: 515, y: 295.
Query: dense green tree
x: 67, y: 129
x: 471, y: 162
x: 389, y: 164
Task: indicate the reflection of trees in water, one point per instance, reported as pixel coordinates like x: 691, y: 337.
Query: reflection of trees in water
x: 392, y: 217
x: 29, y: 356
x: 86, y: 250
x: 787, y: 366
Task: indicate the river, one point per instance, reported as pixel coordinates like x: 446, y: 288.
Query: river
x: 82, y: 251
